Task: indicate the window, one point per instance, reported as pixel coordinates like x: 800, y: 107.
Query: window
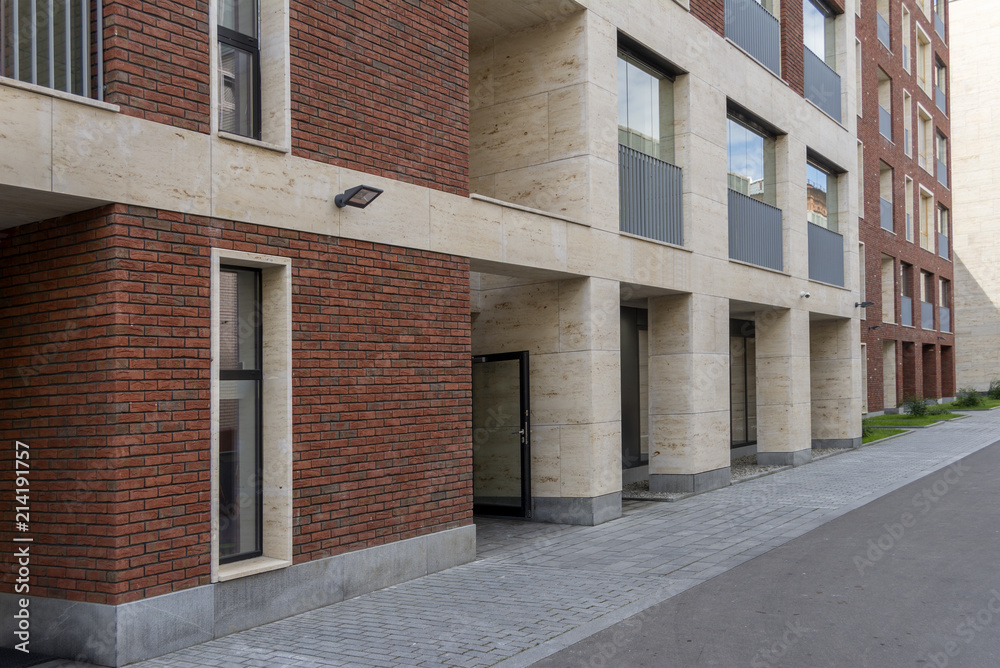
x: 861, y: 277
x: 940, y: 84
x: 944, y: 232
x: 861, y: 178
x: 858, y: 60
x: 906, y: 293
x: 944, y: 304
x: 821, y: 197
x: 888, y: 289
x: 941, y: 149
x: 907, y: 124
x: 240, y: 402
x: 926, y: 300
x: 750, y: 158
x: 906, y: 39
x: 239, y: 68
x: 923, y: 60
x: 926, y: 213
x: 885, y: 196
x: 924, y: 138
x: 645, y: 108
x: 819, y: 31
x: 909, y: 209
x: 939, y: 17
x: 882, y: 21
x: 884, y: 104
x: 924, y: 7
x: 251, y: 413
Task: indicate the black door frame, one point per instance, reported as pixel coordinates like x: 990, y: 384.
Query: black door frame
x: 524, y: 419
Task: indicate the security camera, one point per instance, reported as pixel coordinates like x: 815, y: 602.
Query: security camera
x: 805, y: 294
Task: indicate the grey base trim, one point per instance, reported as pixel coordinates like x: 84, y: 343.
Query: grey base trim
x: 796, y: 458
x: 661, y: 483
x: 890, y: 411
x: 588, y: 511
x: 111, y: 635
x: 742, y: 451
x: 819, y: 443
x: 635, y: 474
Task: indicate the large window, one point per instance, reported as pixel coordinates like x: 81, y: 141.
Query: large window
x: 750, y: 161
x: 944, y: 232
x: 645, y: 109
x: 821, y: 197
x: 941, y: 149
x: 926, y: 214
x: 48, y: 44
x: 239, y: 67
x: 240, y: 402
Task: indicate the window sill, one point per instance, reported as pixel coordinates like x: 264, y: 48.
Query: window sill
x: 757, y: 266
x: 52, y: 92
x: 247, y: 567
x: 253, y: 142
x: 654, y: 241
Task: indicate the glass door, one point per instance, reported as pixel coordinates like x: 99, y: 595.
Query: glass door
x: 501, y: 456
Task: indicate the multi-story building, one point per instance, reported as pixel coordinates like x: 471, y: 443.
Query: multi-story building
x: 976, y: 141
x: 904, y: 131
x: 604, y: 242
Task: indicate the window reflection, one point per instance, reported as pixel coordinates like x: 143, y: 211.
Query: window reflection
x: 645, y: 109
x: 821, y: 197
x: 746, y: 160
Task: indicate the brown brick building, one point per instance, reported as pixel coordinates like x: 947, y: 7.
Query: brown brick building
x: 903, y: 140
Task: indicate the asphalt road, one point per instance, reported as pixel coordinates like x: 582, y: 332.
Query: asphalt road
x: 911, y: 579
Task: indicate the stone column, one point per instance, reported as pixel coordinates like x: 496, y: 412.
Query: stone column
x: 835, y: 376
x: 784, y: 435
x: 688, y: 393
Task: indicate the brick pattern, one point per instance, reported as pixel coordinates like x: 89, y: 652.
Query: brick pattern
x: 712, y: 13
x: 157, y: 60
x: 382, y: 87
x: 792, y: 45
x: 910, y: 377
x: 104, y: 323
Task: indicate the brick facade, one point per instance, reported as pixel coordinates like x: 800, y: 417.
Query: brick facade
x: 382, y: 87
x: 919, y: 366
x: 157, y: 61
x: 104, y: 323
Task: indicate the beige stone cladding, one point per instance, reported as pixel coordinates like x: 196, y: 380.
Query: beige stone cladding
x: 976, y: 173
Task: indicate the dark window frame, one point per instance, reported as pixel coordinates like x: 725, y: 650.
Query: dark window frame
x: 251, y: 46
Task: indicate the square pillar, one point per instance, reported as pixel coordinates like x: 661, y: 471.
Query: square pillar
x: 784, y: 434
x: 688, y: 393
x: 835, y: 376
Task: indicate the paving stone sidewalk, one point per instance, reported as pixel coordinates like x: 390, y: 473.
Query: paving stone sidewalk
x: 537, y: 588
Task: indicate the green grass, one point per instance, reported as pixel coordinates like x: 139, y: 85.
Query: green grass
x: 987, y: 403
x: 906, y: 420
x: 881, y: 433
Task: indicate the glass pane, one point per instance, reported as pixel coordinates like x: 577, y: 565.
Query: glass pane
x: 816, y: 189
x: 239, y: 468
x: 645, y: 110
x: 643, y: 119
x: 746, y: 160
x: 237, y: 94
x: 239, y: 15
x: 814, y: 28
x: 496, y: 435
x: 239, y: 320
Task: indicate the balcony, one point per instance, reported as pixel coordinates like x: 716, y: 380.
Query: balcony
x: 649, y: 197
x: 885, y: 213
x: 907, y: 311
x: 927, y: 315
x: 883, y: 30
x: 942, y: 173
x: 756, y: 31
x: 944, y: 317
x: 940, y: 100
x: 822, y: 84
x: 754, y: 232
x: 49, y: 45
x: 943, y: 245
x: 938, y: 25
x: 884, y: 122
x: 826, y: 255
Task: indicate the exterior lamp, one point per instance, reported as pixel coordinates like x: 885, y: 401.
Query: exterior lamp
x: 359, y: 196
x: 874, y: 327
x: 863, y: 304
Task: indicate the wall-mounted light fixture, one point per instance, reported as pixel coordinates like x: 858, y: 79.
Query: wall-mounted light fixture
x: 359, y: 196
x: 874, y: 327
x: 863, y: 304
x: 942, y: 338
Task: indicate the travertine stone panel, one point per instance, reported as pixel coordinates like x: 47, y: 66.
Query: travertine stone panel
x: 532, y: 240
x: 561, y: 187
x: 688, y: 384
x: 783, y: 384
x: 26, y: 131
x: 466, y: 227
x: 512, y: 133
x: 835, y: 377
x: 542, y: 58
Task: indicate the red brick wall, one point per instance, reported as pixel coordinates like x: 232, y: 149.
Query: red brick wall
x: 104, y: 325
x: 157, y: 60
x: 792, y: 45
x: 712, y: 13
x: 383, y: 87
x: 877, y: 241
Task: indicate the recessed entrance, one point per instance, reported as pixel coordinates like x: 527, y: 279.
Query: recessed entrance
x: 742, y: 383
x: 501, y: 457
